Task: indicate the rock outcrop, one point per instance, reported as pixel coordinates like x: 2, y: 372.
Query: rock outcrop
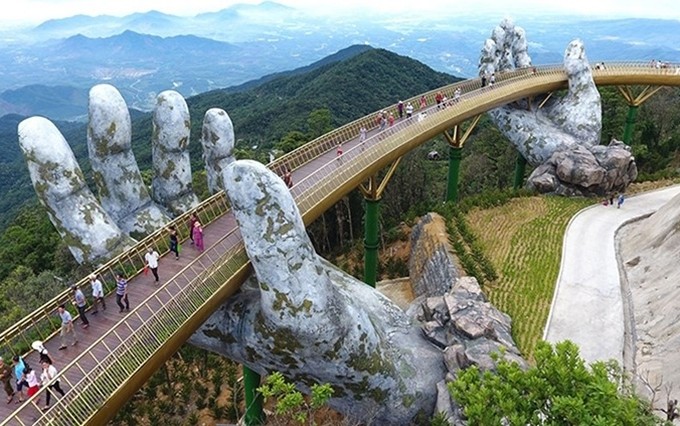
x: 648, y: 252
x: 597, y: 170
x: 558, y: 135
x: 459, y: 320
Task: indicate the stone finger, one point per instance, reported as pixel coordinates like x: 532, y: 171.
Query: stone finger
x: 90, y: 233
x: 171, y: 184
x: 217, y: 138
x: 579, y: 112
x: 121, y: 189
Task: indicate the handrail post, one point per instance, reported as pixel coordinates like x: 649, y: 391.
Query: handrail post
x: 254, y: 413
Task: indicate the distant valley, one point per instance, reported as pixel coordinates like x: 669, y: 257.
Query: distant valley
x: 48, y: 70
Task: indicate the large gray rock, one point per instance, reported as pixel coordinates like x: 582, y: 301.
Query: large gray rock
x: 122, y: 192
x: 313, y: 322
x: 582, y: 171
x: 91, y: 234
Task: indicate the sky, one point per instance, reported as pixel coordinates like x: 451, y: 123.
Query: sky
x: 37, y: 11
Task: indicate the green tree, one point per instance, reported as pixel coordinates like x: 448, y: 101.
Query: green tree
x: 291, y: 140
x: 559, y: 390
x: 319, y: 123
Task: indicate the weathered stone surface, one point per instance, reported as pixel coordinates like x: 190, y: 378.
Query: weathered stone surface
x: 597, y: 170
x: 91, y: 234
x: 217, y: 138
x: 430, y: 255
x: 122, y: 192
x: 313, y: 322
x: 564, y: 131
x: 171, y: 184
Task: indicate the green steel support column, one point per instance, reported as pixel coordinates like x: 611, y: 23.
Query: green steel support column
x: 520, y: 167
x: 254, y: 413
x: 455, y: 155
x: 630, y: 123
x: 371, y: 241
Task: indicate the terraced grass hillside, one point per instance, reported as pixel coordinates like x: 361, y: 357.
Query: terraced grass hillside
x: 523, y: 241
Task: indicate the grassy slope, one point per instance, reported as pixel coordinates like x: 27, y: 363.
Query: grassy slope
x: 525, y: 247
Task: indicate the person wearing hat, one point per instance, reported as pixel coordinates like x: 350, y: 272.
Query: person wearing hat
x: 81, y: 304
x: 97, y: 294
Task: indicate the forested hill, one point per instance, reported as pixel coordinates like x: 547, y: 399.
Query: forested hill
x: 349, y: 85
x: 349, y: 89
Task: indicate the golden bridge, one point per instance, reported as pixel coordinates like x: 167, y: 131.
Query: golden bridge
x: 120, y: 351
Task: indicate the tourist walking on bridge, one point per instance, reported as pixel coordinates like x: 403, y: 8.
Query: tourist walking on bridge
x: 6, y: 378
x: 49, y: 379
x: 151, y: 258
x: 400, y: 109
x: 409, y: 110
x: 19, y: 366
x: 121, y: 293
x: 97, y: 294
x: 66, y: 327
x: 174, y: 242
x: 81, y: 304
x: 192, y: 220
x: 198, y: 236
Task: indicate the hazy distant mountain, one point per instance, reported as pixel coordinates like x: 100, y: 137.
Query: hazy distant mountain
x: 145, y: 53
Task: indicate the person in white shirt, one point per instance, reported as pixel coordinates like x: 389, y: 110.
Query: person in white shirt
x: 151, y: 258
x: 97, y: 294
x: 48, y: 378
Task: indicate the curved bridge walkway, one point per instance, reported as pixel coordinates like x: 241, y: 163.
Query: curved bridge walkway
x: 120, y: 351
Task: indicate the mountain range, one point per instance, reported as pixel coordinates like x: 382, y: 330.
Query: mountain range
x: 48, y: 69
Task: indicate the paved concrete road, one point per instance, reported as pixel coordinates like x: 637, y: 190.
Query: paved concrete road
x: 587, y: 306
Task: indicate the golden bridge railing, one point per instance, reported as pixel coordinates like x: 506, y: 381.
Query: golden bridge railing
x: 42, y: 323
x: 157, y: 322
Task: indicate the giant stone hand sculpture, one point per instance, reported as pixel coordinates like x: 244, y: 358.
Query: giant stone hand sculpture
x: 96, y: 230
x: 313, y: 322
x: 561, y: 138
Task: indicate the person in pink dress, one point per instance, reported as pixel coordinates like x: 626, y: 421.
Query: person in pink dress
x: 198, y: 235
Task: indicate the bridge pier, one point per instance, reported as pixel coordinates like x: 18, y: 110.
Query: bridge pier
x: 456, y: 140
x: 254, y: 413
x: 634, y: 101
x: 520, y: 168
x: 372, y: 192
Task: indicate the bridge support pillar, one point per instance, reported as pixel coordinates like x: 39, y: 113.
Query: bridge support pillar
x: 630, y: 124
x: 372, y: 192
x: 634, y: 101
x: 371, y: 241
x: 254, y: 414
x: 455, y: 156
x: 520, y: 168
x: 456, y: 139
